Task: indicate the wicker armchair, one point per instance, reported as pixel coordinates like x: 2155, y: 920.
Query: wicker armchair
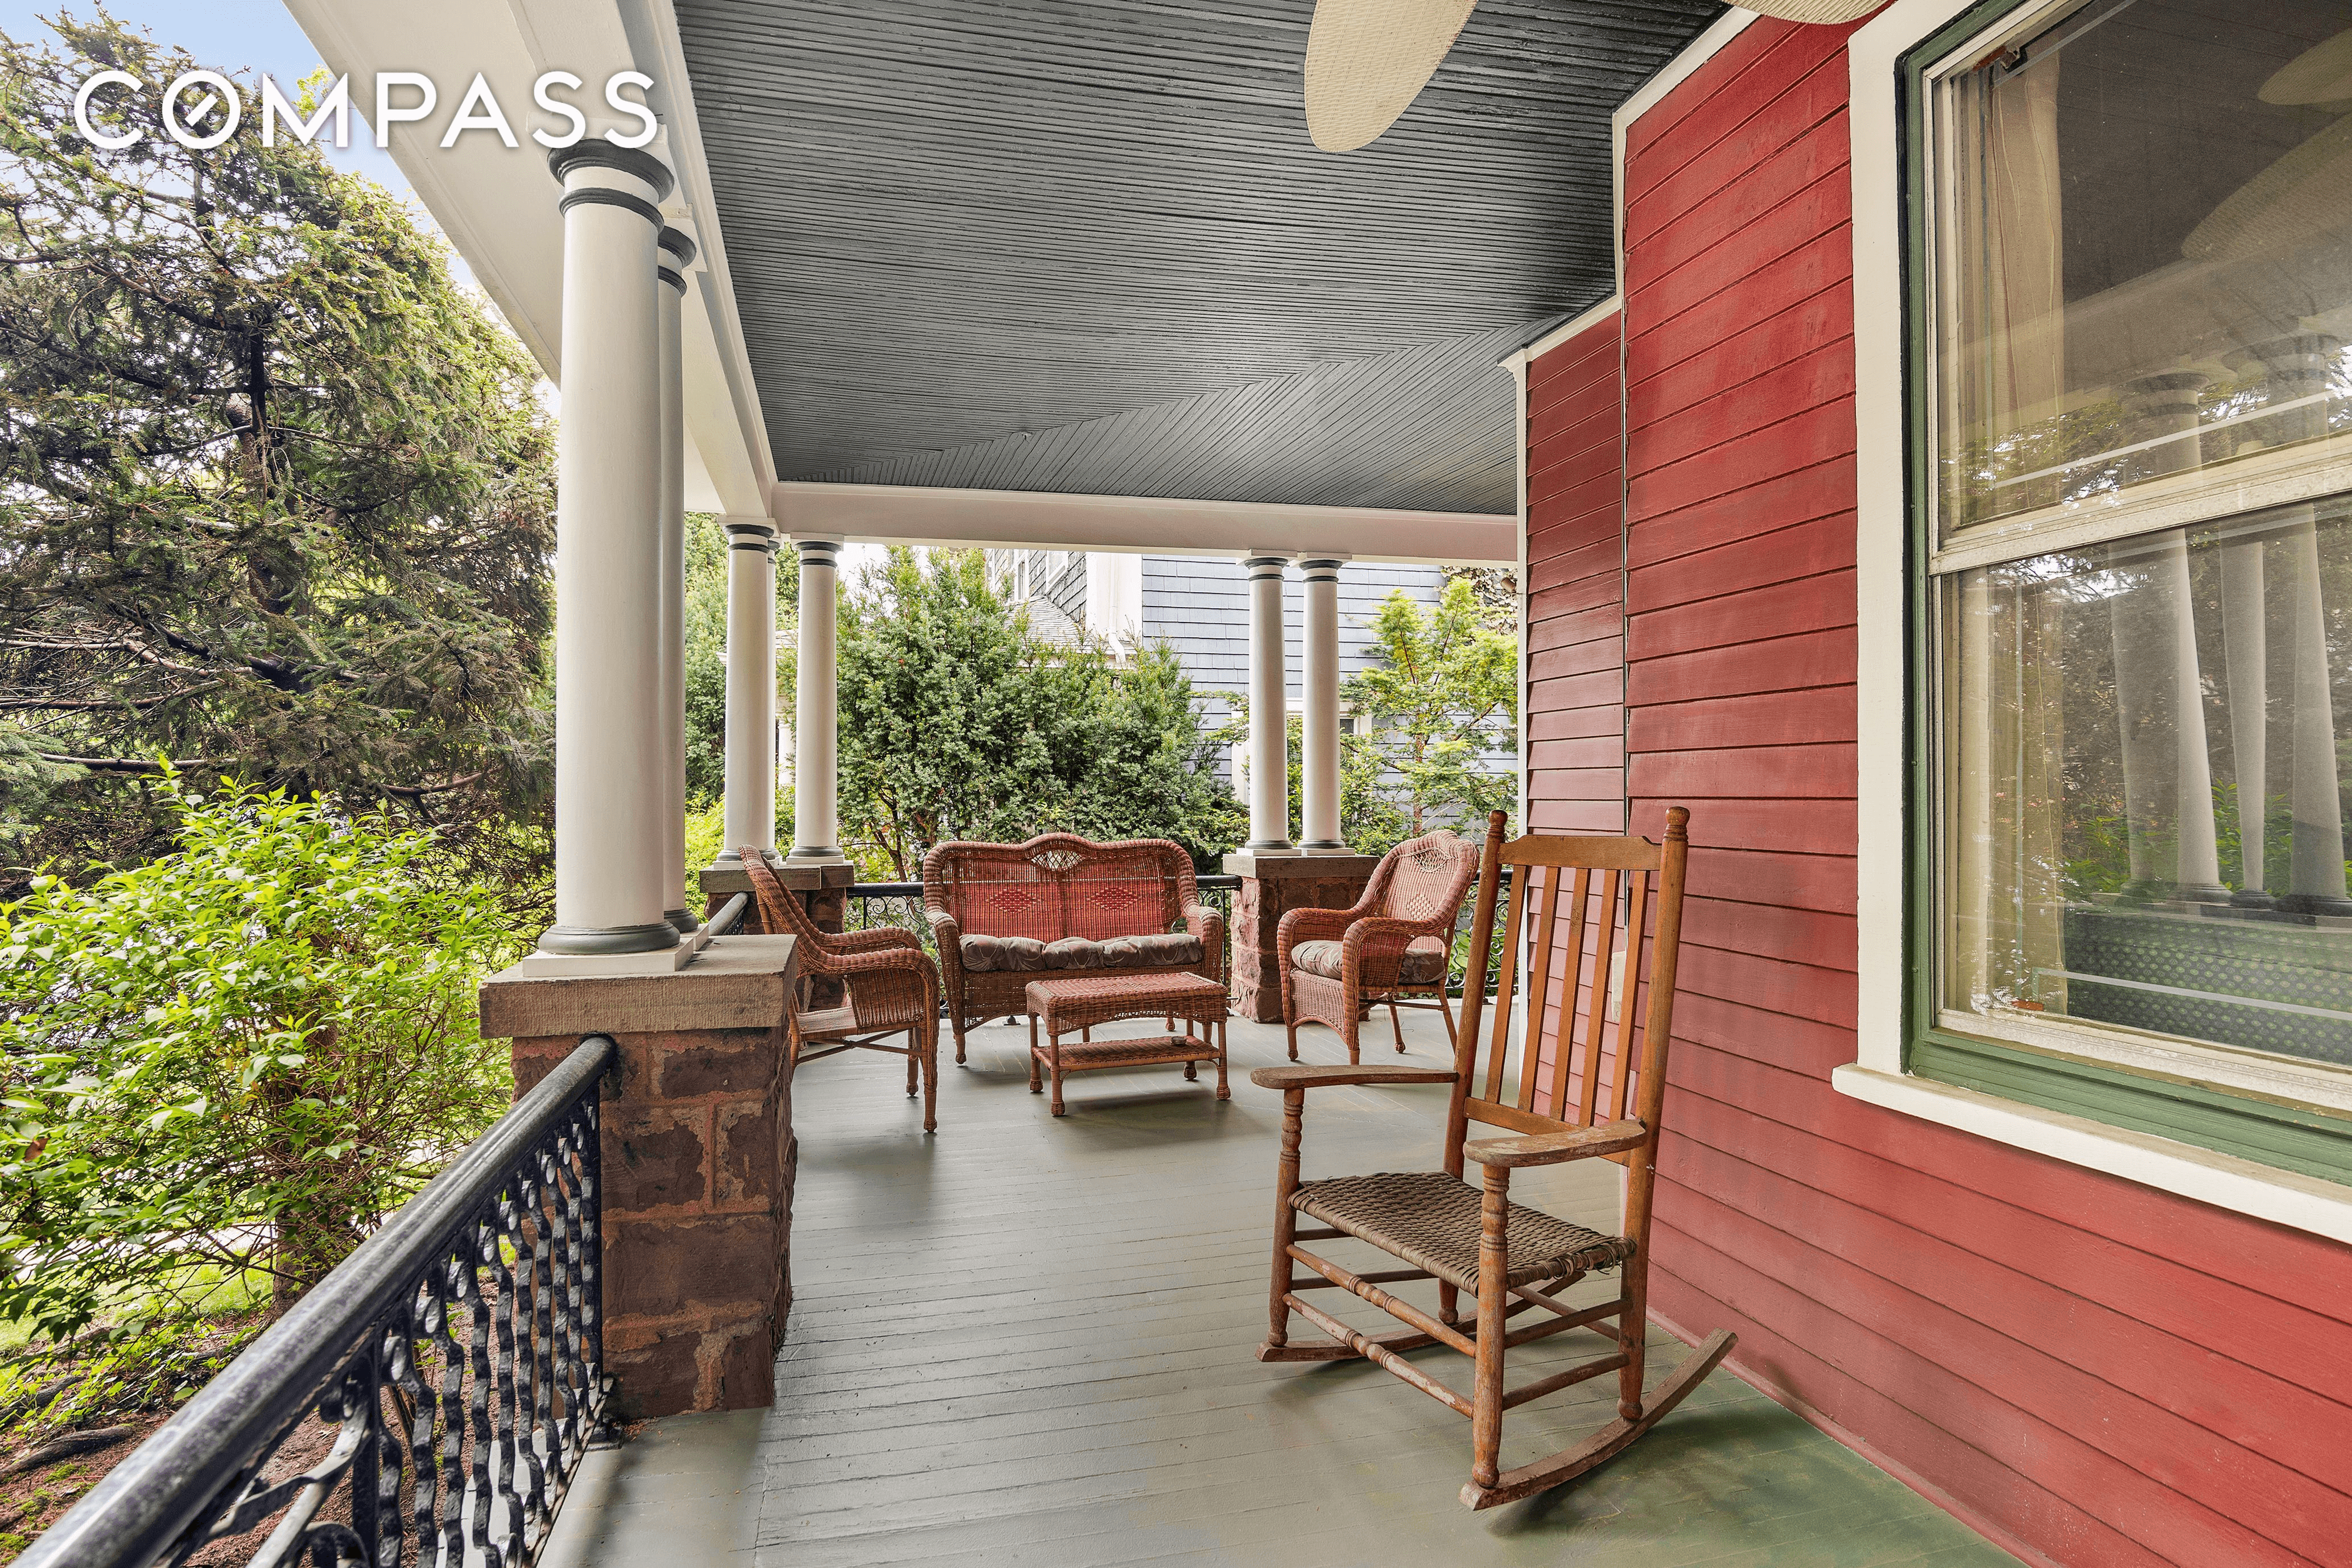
x: 1005, y: 914
x: 1397, y: 942
x: 891, y: 988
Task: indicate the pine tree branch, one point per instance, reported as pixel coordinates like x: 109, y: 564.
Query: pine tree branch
x: 127, y: 764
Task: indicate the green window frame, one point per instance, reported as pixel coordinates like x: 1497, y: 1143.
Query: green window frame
x: 2268, y: 1129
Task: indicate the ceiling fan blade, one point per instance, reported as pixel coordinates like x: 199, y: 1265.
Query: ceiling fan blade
x: 1818, y: 11
x: 1366, y: 60
x: 2320, y: 74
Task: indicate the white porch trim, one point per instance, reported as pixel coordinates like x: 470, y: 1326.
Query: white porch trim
x: 916, y: 514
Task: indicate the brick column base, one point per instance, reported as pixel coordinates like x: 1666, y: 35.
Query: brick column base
x: 699, y: 1157
x: 1272, y: 886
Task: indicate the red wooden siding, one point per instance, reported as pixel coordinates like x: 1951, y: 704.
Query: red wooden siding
x: 1576, y: 621
x: 2092, y: 1372
x: 1576, y: 566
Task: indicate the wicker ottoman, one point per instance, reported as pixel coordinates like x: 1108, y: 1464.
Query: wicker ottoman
x: 1080, y: 1002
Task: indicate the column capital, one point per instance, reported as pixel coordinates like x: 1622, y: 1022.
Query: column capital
x: 679, y: 244
x: 749, y: 532
x: 597, y: 153
x: 817, y: 550
x: 1322, y: 568
x: 1264, y: 562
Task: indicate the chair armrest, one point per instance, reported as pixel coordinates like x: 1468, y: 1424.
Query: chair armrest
x: 1552, y: 1148
x: 1310, y: 925
x: 877, y: 937
x: 1324, y: 1077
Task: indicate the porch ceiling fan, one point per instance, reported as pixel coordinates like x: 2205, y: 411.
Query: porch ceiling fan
x: 1366, y: 60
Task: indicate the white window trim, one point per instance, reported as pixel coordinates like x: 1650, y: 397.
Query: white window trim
x: 1882, y: 524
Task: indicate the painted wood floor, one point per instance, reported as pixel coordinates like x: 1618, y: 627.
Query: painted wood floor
x: 1028, y: 1341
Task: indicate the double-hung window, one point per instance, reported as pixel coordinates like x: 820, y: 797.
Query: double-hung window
x: 2126, y: 236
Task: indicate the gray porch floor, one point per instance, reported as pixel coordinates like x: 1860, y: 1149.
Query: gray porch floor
x: 1028, y: 1341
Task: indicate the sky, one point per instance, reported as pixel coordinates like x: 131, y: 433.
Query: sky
x: 259, y: 35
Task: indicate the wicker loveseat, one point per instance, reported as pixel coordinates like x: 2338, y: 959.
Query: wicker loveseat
x: 1006, y: 914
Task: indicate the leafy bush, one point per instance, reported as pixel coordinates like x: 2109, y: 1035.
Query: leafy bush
x: 236, y: 1057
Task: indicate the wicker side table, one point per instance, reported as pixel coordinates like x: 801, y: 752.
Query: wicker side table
x: 1082, y: 1002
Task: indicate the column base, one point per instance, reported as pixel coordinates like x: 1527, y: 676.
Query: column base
x: 682, y: 921
x: 2314, y: 904
x: 1272, y: 886
x: 583, y: 965
x: 1268, y: 845
x: 1325, y: 846
x: 821, y: 855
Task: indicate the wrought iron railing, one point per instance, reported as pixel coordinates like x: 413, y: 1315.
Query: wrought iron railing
x: 452, y: 1366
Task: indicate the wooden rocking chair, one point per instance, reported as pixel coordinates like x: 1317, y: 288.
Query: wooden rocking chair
x: 1590, y: 900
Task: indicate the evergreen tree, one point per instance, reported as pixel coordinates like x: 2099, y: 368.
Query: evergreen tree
x: 958, y: 720
x: 279, y: 490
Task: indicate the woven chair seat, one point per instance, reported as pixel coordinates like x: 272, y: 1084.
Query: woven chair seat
x: 1027, y: 954
x: 1431, y: 1220
x: 1423, y: 963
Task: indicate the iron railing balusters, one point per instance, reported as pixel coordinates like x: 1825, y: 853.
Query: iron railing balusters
x: 446, y: 1448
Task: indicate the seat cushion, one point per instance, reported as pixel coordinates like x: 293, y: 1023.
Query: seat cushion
x: 1431, y: 1220
x: 994, y: 954
x: 1157, y: 950
x: 1424, y: 961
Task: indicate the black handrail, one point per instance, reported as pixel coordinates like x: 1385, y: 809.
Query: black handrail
x: 473, y: 1465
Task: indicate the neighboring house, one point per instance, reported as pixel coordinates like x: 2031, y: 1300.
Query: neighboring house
x: 1197, y: 605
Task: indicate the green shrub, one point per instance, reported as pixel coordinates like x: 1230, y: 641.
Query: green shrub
x: 236, y: 1057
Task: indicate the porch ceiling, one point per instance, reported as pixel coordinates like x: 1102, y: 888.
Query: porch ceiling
x: 1086, y: 246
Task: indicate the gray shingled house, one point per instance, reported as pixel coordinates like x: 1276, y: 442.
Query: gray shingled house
x: 1197, y: 605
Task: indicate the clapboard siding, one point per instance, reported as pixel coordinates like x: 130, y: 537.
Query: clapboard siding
x: 2094, y: 1371
x: 1576, y: 568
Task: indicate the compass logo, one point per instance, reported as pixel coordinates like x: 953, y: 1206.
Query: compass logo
x: 204, y: 109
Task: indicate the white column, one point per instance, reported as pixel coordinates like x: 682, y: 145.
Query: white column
x: 1270, y: 742
x: 614, y: 875
x: 750, y: 809
x: 2299, y: 367
x: 816, y: 830
x: 2245, y: 644
x: 1319, y: 737
x: 2158, y: 686
x: 2315, y: 795
x: 676, y: 253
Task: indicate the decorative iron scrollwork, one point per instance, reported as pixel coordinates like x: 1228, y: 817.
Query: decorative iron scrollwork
x: 454, y: 1363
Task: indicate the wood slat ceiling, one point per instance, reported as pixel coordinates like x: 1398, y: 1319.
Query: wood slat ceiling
x: 1087, y: 245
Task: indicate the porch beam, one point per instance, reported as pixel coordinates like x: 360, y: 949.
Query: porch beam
x: 915, y: 514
